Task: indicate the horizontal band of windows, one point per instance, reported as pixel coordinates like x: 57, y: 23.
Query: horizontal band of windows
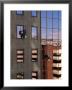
x: 56, y: 64
x: 57, y: 75
x: 34, y: 56
x: 34, y: 51
x: 56, y: 57
x: 56, y: 71
x: 20, y: 52
x: 20, y: 60
x: 56, y: 61
x: 56, y: 68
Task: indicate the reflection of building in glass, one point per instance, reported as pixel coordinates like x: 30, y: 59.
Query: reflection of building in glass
x: 35, y: 44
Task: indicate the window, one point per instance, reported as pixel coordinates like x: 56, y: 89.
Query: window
x: 34, y: 75
x: 20, y: 75
x: 34, y: 13
x: 21, y: 32
x: 34, y: 54
x: 34, y: 32
x: 19, y: 12
x: 20, y: 56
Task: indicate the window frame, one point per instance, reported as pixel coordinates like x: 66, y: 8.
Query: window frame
x: 36, y: 77
x: 37, y: 55
x: 20, y: 73
x: 36, y: 33
x: 16, y: 30
x: 19, y: 54
x: 20, y: 14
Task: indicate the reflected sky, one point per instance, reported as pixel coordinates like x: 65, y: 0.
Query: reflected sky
x: 51, y: 24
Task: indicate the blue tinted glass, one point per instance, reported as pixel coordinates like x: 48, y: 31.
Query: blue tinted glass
x: 49, y: 23
x: 33, y: 13
x: 43, y: 22
x: 59, y: 14
x: 49, y: 14
x: 19, y: 12
x: 55, y: 14
x: 43, y: 13
x: 55, y: 23
x: 43, y: 33
x: 34, y: 32
x: 49, y: 33
x: 55, y: 34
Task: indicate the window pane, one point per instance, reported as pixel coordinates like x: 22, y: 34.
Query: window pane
x: 49, y: 34
x: 43, y: 22
x: 55, y: 14
x: 55, y: 34
x: 34, y: 32
x: 55, y: 23
x: 19, y: 12
x: 49, y: 23
x: 49, y: 14
x: 43, y: 13
x: 19, y: 29
x: 33, y: 13
x: 43, y: 33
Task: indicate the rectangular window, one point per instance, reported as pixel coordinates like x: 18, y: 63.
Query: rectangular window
x: 34, y: 75
x: 34, y: 13
x: 19, y: 12
x: 21, y: 32
x: 20, y: 75
x: 20, y: 56
x: 34, y: 54
x: 34, y: 32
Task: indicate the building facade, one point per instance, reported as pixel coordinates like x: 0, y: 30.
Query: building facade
x: 30, y: 58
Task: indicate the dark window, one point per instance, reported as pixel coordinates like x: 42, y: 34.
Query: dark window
x: 34, y: 13
x: 19, y: 12
x: 20, y: 75
x: 21, y: 32
x: 34, y: 32
x: 34, y: 54
x: 34, y: 75
x: 20, y: 56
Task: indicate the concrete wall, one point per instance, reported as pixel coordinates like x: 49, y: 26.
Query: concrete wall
x: 27, y: 44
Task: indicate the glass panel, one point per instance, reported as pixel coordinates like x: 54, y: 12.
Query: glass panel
x: 33, y: 13
x: 19, y: 12
x: 55, y: 14
x: 43, y: 13
x: 49, y: 34
x: 34, y: 32
x: 55, y: 23
x: 49, y: 23
x: 49, y: 14
x: 19, y: 29
x: 43, y: 33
